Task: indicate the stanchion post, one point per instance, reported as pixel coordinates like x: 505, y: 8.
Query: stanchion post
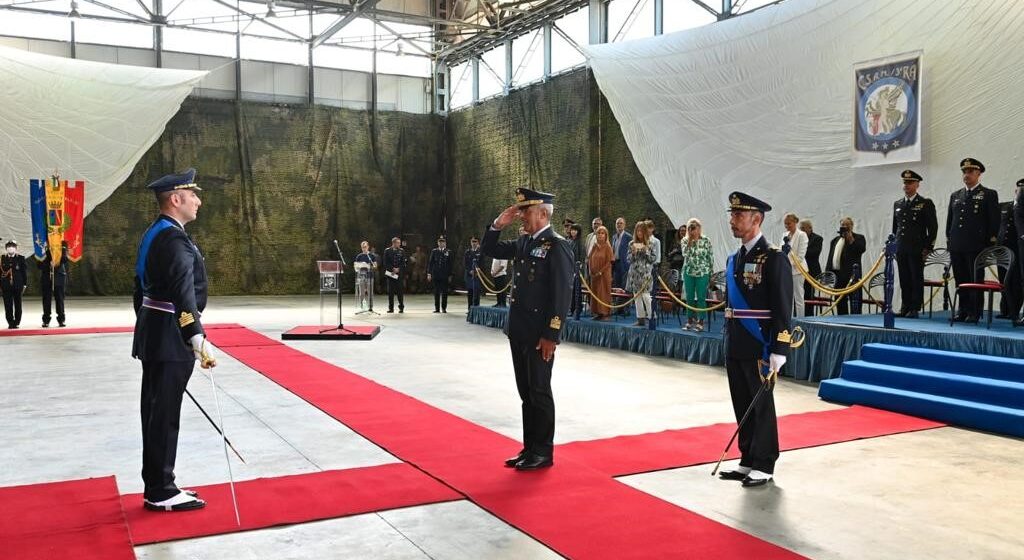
x: 888, y: 318
x: 855, y: 297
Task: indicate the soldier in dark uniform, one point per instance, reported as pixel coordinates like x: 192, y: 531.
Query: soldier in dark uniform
x: 439, y: 273
x: 915, y: 226
x: 1009, y: 237
x: 972, y: 224
x: 394, y: 270
x: 759, y: 290
x: 52, y: 281
x: 470, y: 262
x: 13, y: 281
x: 170, y: 295
x: 542, y: 269
x: 1018, y: 222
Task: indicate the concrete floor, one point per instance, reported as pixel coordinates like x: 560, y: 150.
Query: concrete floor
x: 71, y: 410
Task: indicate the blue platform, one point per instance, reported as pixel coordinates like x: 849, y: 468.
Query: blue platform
x: 667, y: 340
x: 832, y: 340
x: 976, y: 391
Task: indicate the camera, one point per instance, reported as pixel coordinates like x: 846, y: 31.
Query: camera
x: 843, y: 230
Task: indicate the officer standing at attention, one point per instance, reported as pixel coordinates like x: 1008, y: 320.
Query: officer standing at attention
x: 915, y: 226
x: 13, y: 281
x: 470, y: 262
x: 439, y: 273
x: 759, y: 290
x: 170, y: 295
x: 394, y: 270
x: 542, y: 266
x: 52, y: 282
x: 971, y: 225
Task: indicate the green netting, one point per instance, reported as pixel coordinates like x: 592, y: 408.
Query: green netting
x: 281, y: 182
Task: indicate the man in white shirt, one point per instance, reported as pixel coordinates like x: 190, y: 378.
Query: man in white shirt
x: 499, y: 272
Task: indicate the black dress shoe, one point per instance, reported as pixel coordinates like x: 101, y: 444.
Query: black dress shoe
x: 912, y: 315
x: 754, y: 482
x: 959, y: 318
x: 732, y: 475
x: 971, y: 319
x: 511, y: 461
x: 901, y: 313
x: 532, y: 462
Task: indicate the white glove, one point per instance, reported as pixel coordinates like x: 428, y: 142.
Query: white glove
x: 775, y: 362
x: 202, y: 351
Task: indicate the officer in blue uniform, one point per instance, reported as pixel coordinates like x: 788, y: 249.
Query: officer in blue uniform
x: 13, y: 281
x: 1018, y: 222
x: 1009, y: 237
x: 915, y: 226
x: 972, y: 224
x: 759, y: 290
x: 394, y: 274
x: 170, y: 295
x: 52, y: 281
x: 439, y: 273
x: 470, y: 262
x: 542, y: 272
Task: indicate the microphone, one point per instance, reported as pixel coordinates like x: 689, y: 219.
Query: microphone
x: 340, y: 254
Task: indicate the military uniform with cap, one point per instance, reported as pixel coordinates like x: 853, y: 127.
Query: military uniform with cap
x: 542, y: 275
x: 470, y: 263
x: 972, y: 224
x: 757, y: 332
x: 170, y: 295
x: 1018, y: 222
x: 915, y: 225
x: 13, y: 281
x: 439, y: 269
x: 1009, y: 237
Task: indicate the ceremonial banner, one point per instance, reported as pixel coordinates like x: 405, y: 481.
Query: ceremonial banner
x: 58, y: 211
x: 887, y: 110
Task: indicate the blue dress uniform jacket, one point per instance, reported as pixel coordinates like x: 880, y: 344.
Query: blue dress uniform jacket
x: 542, y: 274
x: 174, y: 273
x: 914, y: 223
x: 13, y: 273
x: 972, y: 221
x: 440, y: 263
x: 765, y: 277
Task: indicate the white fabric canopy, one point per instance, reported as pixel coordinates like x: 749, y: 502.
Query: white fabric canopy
x: 764, y: 104
x: 89, y: 121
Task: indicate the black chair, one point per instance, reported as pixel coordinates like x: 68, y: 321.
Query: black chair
x: 938, y: 258
x: 999, y: 257
x: 876, y: 281
x: 827, y: 279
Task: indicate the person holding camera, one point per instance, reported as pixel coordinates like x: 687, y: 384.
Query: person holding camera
x: 844, y: 251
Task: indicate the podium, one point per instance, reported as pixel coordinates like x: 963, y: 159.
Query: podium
x: 330, y: 284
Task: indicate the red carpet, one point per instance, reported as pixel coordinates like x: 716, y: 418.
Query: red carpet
x: 80, y: 519
x: 268, y: 502
x: 624, y: 455
x: 577, y: 511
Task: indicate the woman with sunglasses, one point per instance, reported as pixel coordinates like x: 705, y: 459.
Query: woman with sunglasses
x: 696, y: 273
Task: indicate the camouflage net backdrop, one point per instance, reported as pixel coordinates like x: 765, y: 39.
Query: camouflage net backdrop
x: 281, y: 182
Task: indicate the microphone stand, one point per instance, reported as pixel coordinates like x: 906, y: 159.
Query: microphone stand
x: 341, y: 316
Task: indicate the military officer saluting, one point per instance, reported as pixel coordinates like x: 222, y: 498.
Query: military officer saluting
x: 915, y: 226
x: 759, y: 290
x: 170, y: 295
x: 972, y: 223
x: 542, y: 275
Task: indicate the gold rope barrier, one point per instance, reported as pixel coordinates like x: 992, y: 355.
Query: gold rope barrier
x: 490, y: 287
x: 686, y: 305
x: 829, y: 291
x: 629, y: 301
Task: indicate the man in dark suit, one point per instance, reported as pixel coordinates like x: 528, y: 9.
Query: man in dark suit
x: 814, y: 244
x: 52, y: 281
x: 439, y: 273
x: 844, y: 251
x: 542, y: 263
x: 170, y: 295
x: 394, y: 270
x: 915, y: 226
x: 470, y: 263
x: 972, y: 224
x: 759, y: 291
x: 1018, y: 222
x: 13, y: 281
x: 620, y: 250
x: 1009, y: 237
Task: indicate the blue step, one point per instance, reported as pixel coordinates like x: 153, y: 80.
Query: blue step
x: 978, y: 365
x: 993, y: 418
x: 966, y: 387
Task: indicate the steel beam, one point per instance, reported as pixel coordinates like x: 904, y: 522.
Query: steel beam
x: 343, y: 21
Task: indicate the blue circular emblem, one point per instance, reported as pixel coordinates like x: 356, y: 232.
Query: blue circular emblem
x: 885, y: 109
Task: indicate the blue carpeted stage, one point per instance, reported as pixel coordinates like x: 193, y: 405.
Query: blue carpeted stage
x: 831, y: 340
